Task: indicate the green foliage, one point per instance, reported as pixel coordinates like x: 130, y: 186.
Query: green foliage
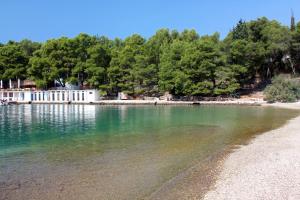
x: 226, y: 81
x: 295, y: 46
x: 13, y: 61
x: 40, y: 71
x: 282, y: 90
x: 121, y: 73
x: 260, y: 51
x: 181, y: 63
x: 241, y: 31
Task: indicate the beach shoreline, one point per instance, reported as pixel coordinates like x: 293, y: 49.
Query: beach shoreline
x: 245, y: 102
x: 199, y: 181
x: 266, y: 168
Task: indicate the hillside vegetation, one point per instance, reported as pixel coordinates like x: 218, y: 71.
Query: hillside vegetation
x: 283, y: 89
x: 181, y: 63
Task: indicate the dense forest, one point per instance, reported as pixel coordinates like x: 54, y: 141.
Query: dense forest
x: 181, y: 63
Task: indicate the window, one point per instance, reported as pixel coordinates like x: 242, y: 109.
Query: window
x: 58, y: 96
x: 10, y: 94
x: 78, y: 98
x: 63, y: 96
x: 39, y: 96
x: 91, y: 93
x: 16, y: 94
x: 53, y: 96
x: 82, y: 96
x: 73, y: 96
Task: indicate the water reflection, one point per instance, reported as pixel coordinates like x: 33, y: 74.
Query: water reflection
x: 35, y: 124
x: 26, y: 123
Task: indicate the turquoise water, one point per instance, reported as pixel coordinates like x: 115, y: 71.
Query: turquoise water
x: 115, y: 152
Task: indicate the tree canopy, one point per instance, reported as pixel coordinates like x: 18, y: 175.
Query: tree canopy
x: 181, y: 63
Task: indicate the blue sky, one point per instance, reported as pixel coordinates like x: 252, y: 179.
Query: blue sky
x: 40, y: 20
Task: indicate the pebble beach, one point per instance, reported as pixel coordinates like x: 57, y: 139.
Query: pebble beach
x: 267, y: 168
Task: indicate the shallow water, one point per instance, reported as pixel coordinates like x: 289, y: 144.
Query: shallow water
x: 115, y: 152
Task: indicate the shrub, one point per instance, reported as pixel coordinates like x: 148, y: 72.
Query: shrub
x: 282, y: 90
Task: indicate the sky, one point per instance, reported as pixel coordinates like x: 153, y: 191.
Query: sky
x: 40, y: 20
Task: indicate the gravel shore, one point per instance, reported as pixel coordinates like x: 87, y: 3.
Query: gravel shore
x: 267, y: 168
x: 246, y: 102
x: 163, y: 102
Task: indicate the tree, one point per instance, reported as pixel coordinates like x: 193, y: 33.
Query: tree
x: 121, y: 71
x: 277, y: 39
x: 151, y: 61
x: 238, y: 57
x: 29, y: 47
x: 295, y: 47
x: 189, y: 35
x: 96, y: 66
x: 256, y: 48
x: 80, y: 45
x: 240, y: 31
x: 293, y: 27
x: 193, y: 67
x: 181, y: 63
x: 13, y: 62
x: 170, y: 67
x: 41, y: 71
x: 205, y: 63
x: 62, y: 58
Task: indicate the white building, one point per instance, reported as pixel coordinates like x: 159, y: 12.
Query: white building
x: 49, y: 96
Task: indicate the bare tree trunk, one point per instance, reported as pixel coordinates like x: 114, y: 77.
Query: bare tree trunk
x: 292, y: 66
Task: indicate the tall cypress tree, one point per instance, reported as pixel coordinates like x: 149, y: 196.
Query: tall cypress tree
x: 293, y: 27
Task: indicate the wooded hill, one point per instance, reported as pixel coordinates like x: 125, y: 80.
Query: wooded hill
x: 181, y: 63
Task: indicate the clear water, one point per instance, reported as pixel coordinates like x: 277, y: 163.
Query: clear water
x: 115, y: 152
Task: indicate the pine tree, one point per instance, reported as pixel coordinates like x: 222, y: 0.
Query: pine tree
x: 240, y: 31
